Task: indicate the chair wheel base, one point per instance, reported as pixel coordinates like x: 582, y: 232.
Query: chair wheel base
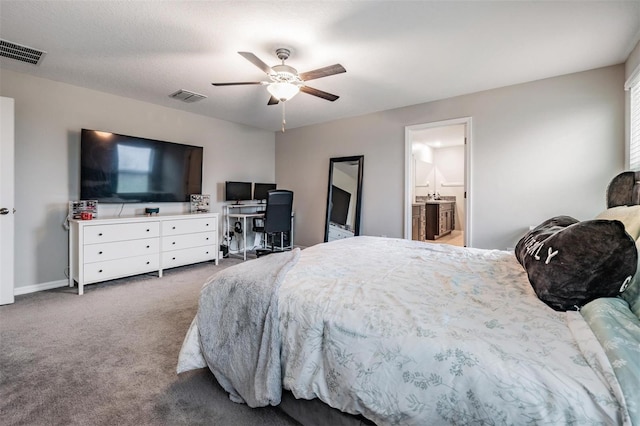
x: 263, y: 252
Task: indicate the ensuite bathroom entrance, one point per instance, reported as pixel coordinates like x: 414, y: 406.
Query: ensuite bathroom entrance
x: 436, y: 187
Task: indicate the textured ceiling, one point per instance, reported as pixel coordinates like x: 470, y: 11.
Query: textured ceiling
x: 396, y: 53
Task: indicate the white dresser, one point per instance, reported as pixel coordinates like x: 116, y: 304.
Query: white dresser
x: 105, y: 249
x: 338, y: 233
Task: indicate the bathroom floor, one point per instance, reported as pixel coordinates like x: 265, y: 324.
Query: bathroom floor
x: 455, y: 238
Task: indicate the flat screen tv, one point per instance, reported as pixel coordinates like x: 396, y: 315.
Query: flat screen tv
x: 127, y: 169
x: 340, y: 200
x: 237, y: 191
x: 261, y: 190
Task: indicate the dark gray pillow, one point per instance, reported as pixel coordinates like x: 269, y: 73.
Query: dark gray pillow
x: 570, y: 263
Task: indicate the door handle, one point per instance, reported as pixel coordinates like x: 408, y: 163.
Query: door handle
x: 5, y: 210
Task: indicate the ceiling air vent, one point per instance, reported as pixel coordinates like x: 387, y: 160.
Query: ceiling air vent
x: 21, y: 53
x: 187, y: 96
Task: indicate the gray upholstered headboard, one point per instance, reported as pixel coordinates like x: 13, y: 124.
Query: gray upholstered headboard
x: 624, y: 190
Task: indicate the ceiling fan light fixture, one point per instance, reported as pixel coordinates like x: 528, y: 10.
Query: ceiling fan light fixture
x: 283, y: 91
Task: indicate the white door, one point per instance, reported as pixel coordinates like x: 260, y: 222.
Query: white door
x: 6, y: 199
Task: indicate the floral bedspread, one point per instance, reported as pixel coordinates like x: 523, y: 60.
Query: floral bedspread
x: 410, y: 333
x: 618, y: 330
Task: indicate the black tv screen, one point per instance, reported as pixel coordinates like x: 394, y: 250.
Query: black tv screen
x: 127, y: 169
x: 340, y: 200
x: 237, y: 191
x: 261, y: 190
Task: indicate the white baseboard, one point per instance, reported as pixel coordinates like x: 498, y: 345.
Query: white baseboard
x: 17, y: 291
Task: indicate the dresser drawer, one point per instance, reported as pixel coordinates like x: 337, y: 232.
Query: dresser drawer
x: 189, y: 226
x: 120, y: 249
x: 101, y: 271
x: 179, y: 242
x: 120, y: 232
x: 174, y: 258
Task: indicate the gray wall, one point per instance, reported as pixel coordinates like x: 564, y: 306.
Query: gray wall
x: 538, y: 150
x: 49, y: 116
x: 633, y: 61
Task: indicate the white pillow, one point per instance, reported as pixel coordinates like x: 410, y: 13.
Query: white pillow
x: 628, y: 215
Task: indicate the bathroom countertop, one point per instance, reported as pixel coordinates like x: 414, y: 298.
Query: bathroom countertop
x: 440, y: 201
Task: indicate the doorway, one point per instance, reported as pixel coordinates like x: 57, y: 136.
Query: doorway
x: 7, y: 220
x: 437, y: 168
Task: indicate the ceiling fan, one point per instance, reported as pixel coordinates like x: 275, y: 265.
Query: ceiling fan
x: 285, y: 82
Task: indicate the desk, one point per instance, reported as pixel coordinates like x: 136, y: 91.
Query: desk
x: 244, y: 217
x: 227, y: 211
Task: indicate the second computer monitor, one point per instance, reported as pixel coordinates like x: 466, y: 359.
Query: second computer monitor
x: 261, y: 190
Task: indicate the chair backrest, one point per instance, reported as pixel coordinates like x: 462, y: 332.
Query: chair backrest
x: 624, y: 190
x: 277, y: 217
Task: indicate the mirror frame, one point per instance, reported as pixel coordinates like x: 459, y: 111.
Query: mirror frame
x: 332, y: 161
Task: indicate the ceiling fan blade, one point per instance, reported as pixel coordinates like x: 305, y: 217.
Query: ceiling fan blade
x: 257, y: 62
x: 273, y: 101
x: 322, y: 72
x: 237, y: 84
x: 319, y: 93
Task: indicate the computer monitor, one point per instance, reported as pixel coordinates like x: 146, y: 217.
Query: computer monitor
x: 340, y: 200
x: 237, y: 191
x: 261, y: 190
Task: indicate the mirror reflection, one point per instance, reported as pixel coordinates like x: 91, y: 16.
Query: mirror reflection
x: 344, y: 198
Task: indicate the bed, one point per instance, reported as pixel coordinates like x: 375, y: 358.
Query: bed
x: 385, y: 331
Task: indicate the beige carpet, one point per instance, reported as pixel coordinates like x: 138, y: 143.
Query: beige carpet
x: 109, y: 357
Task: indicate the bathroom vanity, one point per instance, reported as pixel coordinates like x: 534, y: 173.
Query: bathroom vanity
x: 440, y: 218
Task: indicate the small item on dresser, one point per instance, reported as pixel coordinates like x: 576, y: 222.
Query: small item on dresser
x: 76, y: 208
x: 86, y: 215
x: 151, y: 210
x: 200, y: 203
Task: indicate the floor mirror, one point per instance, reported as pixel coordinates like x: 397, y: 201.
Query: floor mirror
x: 344, y: 198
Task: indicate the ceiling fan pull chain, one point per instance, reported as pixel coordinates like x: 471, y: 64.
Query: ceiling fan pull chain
x: 283, y: 120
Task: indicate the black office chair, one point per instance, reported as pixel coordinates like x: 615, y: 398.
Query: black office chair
x: 276, y: 221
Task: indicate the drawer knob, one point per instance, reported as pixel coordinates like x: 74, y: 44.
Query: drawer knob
x: 206, y: 252
x: 207, y: 224
x: 173, y: 258
x: 148, y: 230
x: 99, y: 252
x: 100, y: 234
x: 174, y: 243
x: 100, y: 270
x: 173, y: 227
x: 147, y: 262
x: 147, y: 246
x: 207, y: 238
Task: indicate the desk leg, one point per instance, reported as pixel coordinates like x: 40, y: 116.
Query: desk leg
x: 227, y: 231
x: 244, y: 237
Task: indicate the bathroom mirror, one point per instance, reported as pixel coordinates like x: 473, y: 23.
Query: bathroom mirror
x: 344, y: 198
